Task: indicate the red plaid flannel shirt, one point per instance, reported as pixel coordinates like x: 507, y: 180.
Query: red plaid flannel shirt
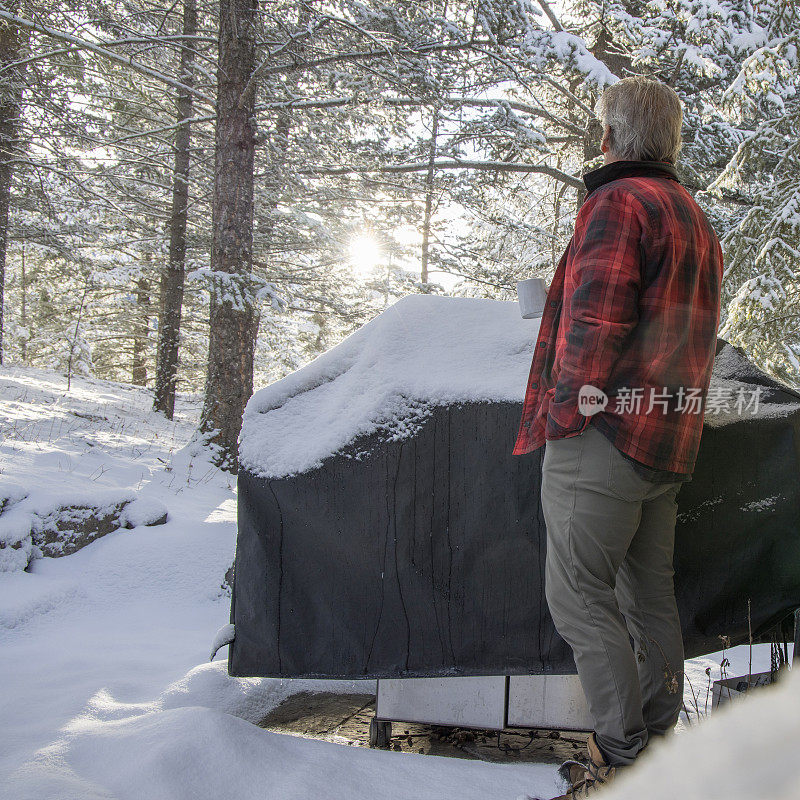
x: 632, y: 310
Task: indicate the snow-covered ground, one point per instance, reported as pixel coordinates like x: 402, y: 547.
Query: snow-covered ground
x: 105, y: 686
x: 105, y: 689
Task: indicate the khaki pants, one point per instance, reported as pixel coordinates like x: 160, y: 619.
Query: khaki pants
x: 608, y: 578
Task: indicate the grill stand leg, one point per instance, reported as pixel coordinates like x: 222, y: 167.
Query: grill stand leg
x: 380, y: 731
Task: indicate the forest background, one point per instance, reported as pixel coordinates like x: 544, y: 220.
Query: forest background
x: 203, y: 196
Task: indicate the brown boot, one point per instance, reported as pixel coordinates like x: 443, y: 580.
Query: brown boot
x: 573, y: 770
x: 587, y: 777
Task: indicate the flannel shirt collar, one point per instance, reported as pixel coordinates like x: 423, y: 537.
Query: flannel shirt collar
x: 627, y: 169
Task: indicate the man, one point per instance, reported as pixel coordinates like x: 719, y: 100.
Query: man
x: 631, y: 315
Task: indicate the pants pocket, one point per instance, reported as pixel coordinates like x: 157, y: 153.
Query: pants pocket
x: 623, y: 479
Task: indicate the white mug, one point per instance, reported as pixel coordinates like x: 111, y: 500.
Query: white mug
x: 532, y: 294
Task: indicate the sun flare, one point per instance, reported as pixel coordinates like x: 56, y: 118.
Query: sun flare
x: 365, y: 254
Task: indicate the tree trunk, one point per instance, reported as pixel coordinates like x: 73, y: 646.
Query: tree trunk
x: 141, y: 328
x: 11, y: 44
x: 232, y: 316
x: 429, y: 178
x: 172, y: 278
x: 23, y: 307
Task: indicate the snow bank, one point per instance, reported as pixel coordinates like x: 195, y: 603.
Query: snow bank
x: 747, y: 750
x: 196, y: 741
x: 53, y: 522
x: 423, y: 351
x: 16, y: 521
x: 200, y: 753
x: 251, y: 699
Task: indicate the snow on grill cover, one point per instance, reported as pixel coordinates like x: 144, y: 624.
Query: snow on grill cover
x: 385, y: 529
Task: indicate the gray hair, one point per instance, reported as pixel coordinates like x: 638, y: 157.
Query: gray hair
x: 645, y: 118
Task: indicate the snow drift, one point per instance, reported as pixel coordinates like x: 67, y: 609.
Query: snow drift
x: 746, y: 752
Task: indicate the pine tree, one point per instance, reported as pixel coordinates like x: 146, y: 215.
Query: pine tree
x: 173, y: 274
x: 762, y: 280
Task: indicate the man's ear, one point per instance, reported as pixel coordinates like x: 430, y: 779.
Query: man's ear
x: 605, y: 143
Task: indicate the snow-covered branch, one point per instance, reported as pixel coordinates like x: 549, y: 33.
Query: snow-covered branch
x: 85, y: 44
x: 450, y: 164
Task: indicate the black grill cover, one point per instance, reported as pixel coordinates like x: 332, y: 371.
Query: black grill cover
x: 425, y: 557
